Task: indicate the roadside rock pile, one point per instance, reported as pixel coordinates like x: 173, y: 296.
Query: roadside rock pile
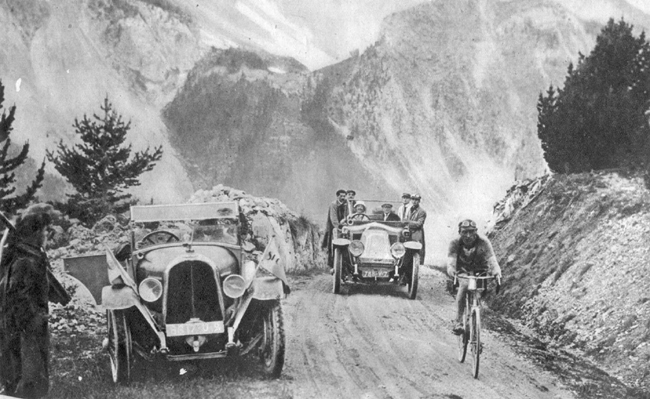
x: 576, y: 262
x: 297, y: 238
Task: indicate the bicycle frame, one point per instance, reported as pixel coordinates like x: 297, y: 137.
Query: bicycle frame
x: 472, y: 318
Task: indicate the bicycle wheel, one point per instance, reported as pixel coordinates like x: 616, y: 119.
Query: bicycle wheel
x: 463, y: 339
x: 476, y: 339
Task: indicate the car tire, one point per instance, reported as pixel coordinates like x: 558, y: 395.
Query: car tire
x: 415, y: 271
x: 273, y: 341
x: 120, y: 346
x: 338, y: 270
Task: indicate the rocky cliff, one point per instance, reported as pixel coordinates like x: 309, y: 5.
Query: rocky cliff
x: 443, y: 104
x: 574, y: 252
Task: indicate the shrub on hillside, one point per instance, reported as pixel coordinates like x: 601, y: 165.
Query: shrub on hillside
x: 597, y: 120
x: 101, y: 168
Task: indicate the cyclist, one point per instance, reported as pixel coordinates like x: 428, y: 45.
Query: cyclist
x: 469, y: 253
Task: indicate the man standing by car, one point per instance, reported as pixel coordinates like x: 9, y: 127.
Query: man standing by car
x: 404, y: 209
x: 349, y: 197
x: 416, y: 219
x: 469, y: 253
x: 336, y: 213
x: 25, y: 289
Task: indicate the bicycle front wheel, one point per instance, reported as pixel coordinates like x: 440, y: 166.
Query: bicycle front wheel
x: 463, y: 339
x: 475, y: 339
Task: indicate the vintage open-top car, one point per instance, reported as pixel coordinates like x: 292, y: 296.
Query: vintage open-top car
x: 183, y: 290
x: 371, y: 250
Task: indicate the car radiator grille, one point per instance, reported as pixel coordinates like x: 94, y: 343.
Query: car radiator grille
x: 192, y: 293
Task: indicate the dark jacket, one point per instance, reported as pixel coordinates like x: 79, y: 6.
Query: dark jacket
x: 24, y: 337
x: 391, y: 217
x: 416, y: 225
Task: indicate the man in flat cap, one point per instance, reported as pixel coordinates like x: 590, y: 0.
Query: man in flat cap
x: 336, y: 213
x: 388, y: 214
x: 405, y: 208
x: 26, y: 286
x: 416, y: 219
x: 349, y: 197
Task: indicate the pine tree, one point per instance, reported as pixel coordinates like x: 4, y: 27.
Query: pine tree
x: 597, y: 120
x: 8, y: 164
x: 99, y: 168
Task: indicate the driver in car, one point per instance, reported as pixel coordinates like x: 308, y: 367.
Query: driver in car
x: 359, y: 212
x: 469, y: 253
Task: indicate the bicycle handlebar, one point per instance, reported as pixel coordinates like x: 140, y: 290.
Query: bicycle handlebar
x: 467, y: 277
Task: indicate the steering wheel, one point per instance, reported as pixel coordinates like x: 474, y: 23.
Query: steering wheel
x: 359, y: 217
x: 158, y: 237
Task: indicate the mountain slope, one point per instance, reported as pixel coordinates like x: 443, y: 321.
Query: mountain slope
x: 575, y: 261
x: 443, y: 104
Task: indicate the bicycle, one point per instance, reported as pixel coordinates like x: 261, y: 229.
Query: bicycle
x: 472, y: 318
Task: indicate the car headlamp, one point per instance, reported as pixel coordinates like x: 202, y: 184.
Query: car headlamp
x: 150, y: 289
x: 356, y: 248
x: 397, y: 250
x: 234, y: 286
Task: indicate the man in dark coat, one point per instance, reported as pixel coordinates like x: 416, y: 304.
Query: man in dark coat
x: 388, y: 214
x: 336, y: 213
x: 416, y: 219
x: 25, y: 289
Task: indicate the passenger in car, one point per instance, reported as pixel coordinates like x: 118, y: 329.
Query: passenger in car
x: 388, y: 214
x: 416, y: 219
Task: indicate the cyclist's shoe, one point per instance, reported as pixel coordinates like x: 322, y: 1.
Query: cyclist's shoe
x: 458, y: 329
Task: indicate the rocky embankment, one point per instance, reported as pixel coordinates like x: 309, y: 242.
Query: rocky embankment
x: 576, y: 260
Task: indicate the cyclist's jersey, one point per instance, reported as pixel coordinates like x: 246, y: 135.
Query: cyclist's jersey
x: 477, y: 258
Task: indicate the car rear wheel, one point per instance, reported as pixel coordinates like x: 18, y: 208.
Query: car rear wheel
x: 119, y: 346
x: 273, y: 341
x: 338, y: 269
x: 415, y: 271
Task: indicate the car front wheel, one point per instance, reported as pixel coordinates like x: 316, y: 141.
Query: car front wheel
x: 415, y: 271
x: 273, y: 341
x: 119, y: 346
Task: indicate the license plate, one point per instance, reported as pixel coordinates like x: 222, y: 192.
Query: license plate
x: 374, y: 273
x: 200, y: 328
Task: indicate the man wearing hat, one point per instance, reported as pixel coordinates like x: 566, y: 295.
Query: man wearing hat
x: 349, y: 197
x: 336, y: 213
x: 26, y: 286
x: 404, y: 209
x: 416, y: 218
x: 389, y: 215
x: 469, y: 253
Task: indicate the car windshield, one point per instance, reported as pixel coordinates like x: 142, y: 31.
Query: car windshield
x: 206, y: 222
x: 373, y: 210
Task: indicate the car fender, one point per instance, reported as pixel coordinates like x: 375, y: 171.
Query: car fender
x: 268, y: 288
x: 125, y: 297
x: 413, y: 245
x: 340, y: 242
x: 117, y: 298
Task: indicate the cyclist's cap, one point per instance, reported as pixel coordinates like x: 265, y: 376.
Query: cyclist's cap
x: 406, y: 195
x: 416, y: 197
x: 467, y: 224
x: 351, y: 192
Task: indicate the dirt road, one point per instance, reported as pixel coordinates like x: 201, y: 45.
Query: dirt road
x: 373, y: 342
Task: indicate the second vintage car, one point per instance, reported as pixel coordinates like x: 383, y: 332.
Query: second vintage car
x: 371, y: 250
